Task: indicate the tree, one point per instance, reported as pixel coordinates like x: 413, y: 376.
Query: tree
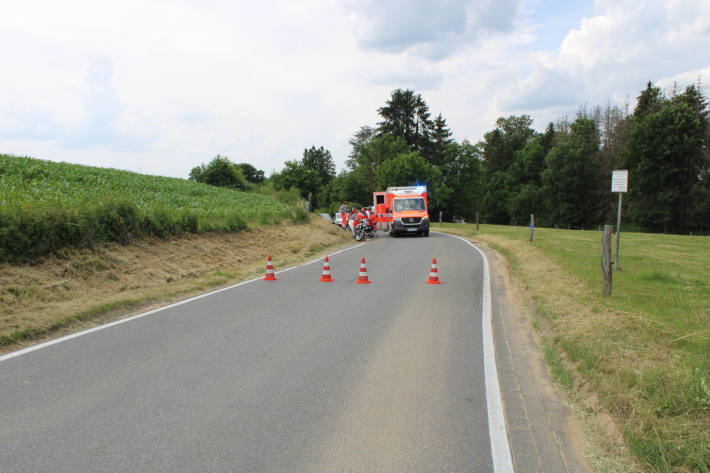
x: 650, y: 101
x: 295, y: 174
x: 406, y: 115
x: 346, y: 186
x: 511, y: 135
x: 251, y: 174
x: 374, y: 153
x: 321, y: 161
x: 524, y: 180
x: 463, y: 174
x: 411, y: 169
x: 219, y: 172
x: 499, y: 147
x: 440, y: 139
x: 360, y: 139
x: 571, y: 178
x: 667, y: 160
x: 408, y: 169
x: 310, y: 175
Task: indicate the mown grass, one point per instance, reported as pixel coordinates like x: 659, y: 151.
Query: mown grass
x: 644, y: 351
x: 46, y: 206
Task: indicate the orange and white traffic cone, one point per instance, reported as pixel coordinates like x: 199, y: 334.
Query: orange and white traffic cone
x: 434, y: 274
x: 326, y: 271
x: 269, y: 271
x: 362, y: 278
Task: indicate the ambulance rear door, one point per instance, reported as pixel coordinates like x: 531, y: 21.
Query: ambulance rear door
x: 379, y: 205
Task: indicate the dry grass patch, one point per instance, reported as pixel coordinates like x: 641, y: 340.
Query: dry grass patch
x: 80, y: 288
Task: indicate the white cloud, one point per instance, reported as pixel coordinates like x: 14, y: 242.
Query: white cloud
x: 432, y: 30
x: 162, y: 86
x: 612, y: 55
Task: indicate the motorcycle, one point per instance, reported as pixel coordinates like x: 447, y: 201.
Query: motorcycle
x: 364, y: 229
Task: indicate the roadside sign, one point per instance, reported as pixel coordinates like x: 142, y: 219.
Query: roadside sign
x: 619, y: 184
x: 619, y: 180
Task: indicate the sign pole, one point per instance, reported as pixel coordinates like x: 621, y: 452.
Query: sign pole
x: 618, y: 231
x: 619, y: 184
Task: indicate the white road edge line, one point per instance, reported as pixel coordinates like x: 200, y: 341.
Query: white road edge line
x: 65, y: 338
x: 500, y: 448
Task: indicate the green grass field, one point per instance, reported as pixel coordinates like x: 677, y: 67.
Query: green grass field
x: 645, y: 350
x: 45, y: 206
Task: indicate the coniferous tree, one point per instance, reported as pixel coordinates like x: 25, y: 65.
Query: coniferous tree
x: 667, y: 159
x: 406, y: 116
x: 570, y: 179
x: 321, y: 161
x: 499, y: 147
x: 440, y: 140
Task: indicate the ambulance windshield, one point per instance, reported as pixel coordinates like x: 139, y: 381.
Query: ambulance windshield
x: 416, y: 203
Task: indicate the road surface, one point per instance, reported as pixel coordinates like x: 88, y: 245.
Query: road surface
x: 286, y: 375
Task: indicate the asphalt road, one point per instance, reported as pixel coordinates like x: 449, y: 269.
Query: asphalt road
x: 287, y: 375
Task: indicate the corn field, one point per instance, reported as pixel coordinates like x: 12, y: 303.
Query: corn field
x: 46, y: 206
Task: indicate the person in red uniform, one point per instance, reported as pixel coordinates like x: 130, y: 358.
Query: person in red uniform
x: 360, y: 216
x: 344, y: 213
x: 351, y: 220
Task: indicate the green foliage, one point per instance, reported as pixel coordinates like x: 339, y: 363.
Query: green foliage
x: 309, y: 175
x: 220, y: 172
x: 347, y: 186
x: 296, y: 176
x: 321, y: 161
x: 251, y: 174
x: 406, y: 116
x: 435, y: 150
x: 412, y: 169
x: 407, y: 170
x: 560, y: 175
x: 370, y: 155
x: 500, y: 146
x: 463, y: 175
x: 667, y: 160
x: 571, y: 177
x: 46, y: 206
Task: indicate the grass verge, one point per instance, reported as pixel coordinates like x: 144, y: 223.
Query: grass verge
x: 80, y: 288
x: 642, y: 354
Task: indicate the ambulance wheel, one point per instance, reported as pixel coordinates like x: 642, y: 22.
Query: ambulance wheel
x: 426, y: 233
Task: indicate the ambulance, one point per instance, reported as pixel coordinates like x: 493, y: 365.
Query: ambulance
x: 403, y: 210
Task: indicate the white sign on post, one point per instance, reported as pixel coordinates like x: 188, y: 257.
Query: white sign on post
x: 619, y: 184
x: 619, y: 180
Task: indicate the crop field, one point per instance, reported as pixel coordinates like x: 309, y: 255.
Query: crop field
x: 644, y: 352
x: 45, y: 206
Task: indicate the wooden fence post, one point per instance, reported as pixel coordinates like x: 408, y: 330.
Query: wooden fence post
x: 606, y: 258
x: 477, y: 215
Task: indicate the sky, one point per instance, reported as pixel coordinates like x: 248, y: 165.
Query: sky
x: 161, y: 86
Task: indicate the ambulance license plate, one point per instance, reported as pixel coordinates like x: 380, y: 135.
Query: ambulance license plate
x: 411, y: 229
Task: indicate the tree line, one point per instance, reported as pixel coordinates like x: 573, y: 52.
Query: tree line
x: 561, y: 175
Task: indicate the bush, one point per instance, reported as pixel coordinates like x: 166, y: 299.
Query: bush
x: 220, y: 172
